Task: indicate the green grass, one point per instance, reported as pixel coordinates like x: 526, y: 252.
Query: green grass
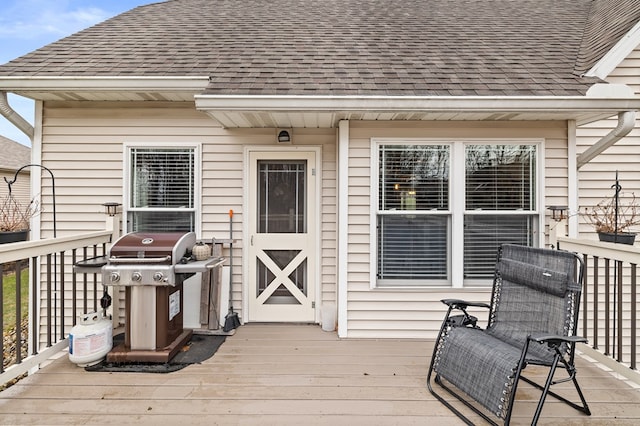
x: 9, y: 297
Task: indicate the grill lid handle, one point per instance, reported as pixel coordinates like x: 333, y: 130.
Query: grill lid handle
x: 114, y: 259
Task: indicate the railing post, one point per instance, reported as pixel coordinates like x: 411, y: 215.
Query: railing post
x: 633, y: 315
x: 113, y: 224
x: 596, y: 289
x: 559, y: 230
x: 607, y: 308
x: 620, y: 308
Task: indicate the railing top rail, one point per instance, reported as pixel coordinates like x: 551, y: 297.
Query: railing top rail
x: 622, y: 252
x: 27, y: 249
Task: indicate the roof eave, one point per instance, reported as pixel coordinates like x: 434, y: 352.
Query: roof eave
x: 98, y: 83
x: 413, y: 103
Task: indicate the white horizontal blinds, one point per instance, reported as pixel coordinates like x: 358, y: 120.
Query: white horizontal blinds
x: 162, y: 189
x: 414, y: 177
x: 413, y: 217
x: 500, y: 195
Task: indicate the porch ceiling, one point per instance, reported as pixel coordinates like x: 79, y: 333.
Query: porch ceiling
x: 327, y: 111
x: 316, y: 119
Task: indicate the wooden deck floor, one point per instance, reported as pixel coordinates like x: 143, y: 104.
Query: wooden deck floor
x: 285, y: 375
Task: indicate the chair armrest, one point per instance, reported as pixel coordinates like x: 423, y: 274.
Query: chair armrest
x: 553, y: 339
x: 462, y: 304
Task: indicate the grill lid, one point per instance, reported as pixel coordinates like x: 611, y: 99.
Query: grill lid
x: 164, y: 247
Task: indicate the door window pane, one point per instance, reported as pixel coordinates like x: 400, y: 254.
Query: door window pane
x: 282, y: 197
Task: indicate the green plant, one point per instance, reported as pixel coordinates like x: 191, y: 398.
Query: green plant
x: 15, y: 215
x: 9, y: 297
x: 603, y: 215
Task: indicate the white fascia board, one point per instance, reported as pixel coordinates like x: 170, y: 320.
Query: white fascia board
x: 617, y: 54
x: 113, y: 83
x: 602, y: 104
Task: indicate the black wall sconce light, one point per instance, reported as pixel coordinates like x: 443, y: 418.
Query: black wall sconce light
x: 284, y: 135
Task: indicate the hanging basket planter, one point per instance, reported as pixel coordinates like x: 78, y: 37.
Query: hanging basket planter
x: 621, y: 237
x: 13, y: 236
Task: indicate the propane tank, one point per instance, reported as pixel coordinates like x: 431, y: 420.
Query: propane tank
x: 91, y: 339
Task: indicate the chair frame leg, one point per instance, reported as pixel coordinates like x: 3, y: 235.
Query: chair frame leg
x: 438, y: 380
x: 546, y: 389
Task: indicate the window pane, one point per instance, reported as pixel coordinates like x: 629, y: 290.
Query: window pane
x: 162, y: 221
x: 162, y: 178
x: 414, y: 177
x: 282, y: 196
x: 412, y: 247
x: 483, y: 234
x: 500, y: 177
x: 162, y: 189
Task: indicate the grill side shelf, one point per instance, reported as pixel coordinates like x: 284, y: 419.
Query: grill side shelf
x: 90, y: 266
x: 198, y: 265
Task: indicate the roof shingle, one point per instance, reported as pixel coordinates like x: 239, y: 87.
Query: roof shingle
x: 349, y: 47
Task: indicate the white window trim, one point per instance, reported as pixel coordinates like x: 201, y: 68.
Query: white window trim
x: 456, y: 202
x: 197, y: 178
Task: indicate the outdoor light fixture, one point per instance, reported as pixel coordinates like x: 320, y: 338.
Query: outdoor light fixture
x: 111, y: 209
x: 558, y: 212
x: 284, y: 136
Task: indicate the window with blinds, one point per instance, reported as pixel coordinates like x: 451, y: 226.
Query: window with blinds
x: 494, y: 203
x: 162, y: 189
x: 413, y: 218
x: 500, y: 194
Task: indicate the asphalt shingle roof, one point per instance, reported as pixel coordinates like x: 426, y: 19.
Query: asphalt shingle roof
x: 349, y: 47
x: 14, y: 155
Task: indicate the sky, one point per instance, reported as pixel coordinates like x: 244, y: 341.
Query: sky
x: 26, y: 25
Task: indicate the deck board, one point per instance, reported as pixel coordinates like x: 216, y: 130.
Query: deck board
x: 286, y: 375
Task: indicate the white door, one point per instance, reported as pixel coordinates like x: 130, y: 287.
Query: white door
x: 282, y: 232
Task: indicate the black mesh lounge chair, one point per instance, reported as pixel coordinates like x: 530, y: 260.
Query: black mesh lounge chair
x: 533, y: 318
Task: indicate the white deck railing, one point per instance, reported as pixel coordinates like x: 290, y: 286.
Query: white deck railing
x: 609, y: 302
x: 56, y: 297
x: 609, y: 305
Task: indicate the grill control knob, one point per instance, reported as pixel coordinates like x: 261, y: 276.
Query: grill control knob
x: 115, y: 277
x: 158, y: 276
x: 136, y: 276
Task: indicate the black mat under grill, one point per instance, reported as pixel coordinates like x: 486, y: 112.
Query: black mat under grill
x: 199, y: 349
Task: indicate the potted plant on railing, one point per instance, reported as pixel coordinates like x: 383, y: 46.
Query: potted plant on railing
x: 613, y: 221
x: 15, y: 218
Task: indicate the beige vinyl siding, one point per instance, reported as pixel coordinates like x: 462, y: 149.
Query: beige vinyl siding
x: 84, y: 143
x: 597, y: 176
x: 417, y: 313
x: 20, y: 189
